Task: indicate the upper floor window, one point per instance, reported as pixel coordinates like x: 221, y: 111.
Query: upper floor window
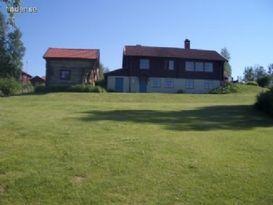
x: 189, y: 66
x: 144, y: 64
x: 199, y: 66
x: 208, y: 67
x: 65, y: 74
x: 171, y: 65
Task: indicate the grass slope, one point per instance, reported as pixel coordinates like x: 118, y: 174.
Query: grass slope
x: 74, y: 148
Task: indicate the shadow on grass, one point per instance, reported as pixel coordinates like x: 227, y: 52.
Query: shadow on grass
x: 233, y: 117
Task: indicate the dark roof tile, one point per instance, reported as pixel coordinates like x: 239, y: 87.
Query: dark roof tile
x: 172, y: 53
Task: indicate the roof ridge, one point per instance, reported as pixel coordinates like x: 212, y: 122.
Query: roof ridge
x: 144, y: 46
x: 92, y: 49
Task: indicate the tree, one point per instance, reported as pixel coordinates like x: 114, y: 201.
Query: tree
x: 249, y: 74
x: 16, y: 50
x: 12, y: 3
x: 259, y: 72
x: 103, y: 70
x: 11, y: 46
x: 5, y: 66
x: 227, y: 66
x: 270, y: 69
x: 264, y: 81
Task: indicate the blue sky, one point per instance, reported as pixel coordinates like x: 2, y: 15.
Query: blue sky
x: 244, y: 27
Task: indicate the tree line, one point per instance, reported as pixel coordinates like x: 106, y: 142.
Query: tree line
x: 259, y: 74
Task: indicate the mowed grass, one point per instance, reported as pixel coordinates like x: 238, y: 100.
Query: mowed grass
x: 110, y: 148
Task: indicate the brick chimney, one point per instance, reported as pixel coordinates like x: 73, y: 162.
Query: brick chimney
x: 187, y: 44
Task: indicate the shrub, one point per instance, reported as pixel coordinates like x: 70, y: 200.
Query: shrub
x: 62, y: 88
x: 86, y: 88
x: 264, y: 102
x: 252, y: 83
x: 27, y: 88
x: 180, y: 91
x: 264, y: 81
x: 101, y: 83
x: 40, y: 89
x: 9, y: 87
x: 225, y: 89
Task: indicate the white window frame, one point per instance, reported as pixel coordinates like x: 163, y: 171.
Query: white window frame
x: 189, y: 66
x: 171, y: 64
x: 169, y: 83
x: 208, y: 67
x: 199, y: 66
x: 144, y: 64
x: 156, y: 83
x: 189, y: 84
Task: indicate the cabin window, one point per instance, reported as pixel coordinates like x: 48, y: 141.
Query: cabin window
x: 144, y: 64
x: 168, y: 83
x: 189, y: 84
x: 189, y: 66
x: 171, y: 64
x: 208, y: 67
x: 209, y: 85
x: 65, y: 74
x: 156, y: 83
x: 199, y: 66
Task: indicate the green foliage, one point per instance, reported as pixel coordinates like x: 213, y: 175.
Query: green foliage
x: 9, y: 87
x: 101, y: 83
x: 27, y: 88
x: 253, y: 73
x: 16, y: 49
x: 102, y: 70
x: 227, y: 67
x: 264, y: 102
x: 264, y: 81
x: 249, y: 74
x: 11, y: 49
x: 86, y: 88
x: 73, y: 88
x: 252, y: 83
x: 40, y: 89
x: 225, y: 89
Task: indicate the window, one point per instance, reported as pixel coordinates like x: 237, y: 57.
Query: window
x: 189, y: 84
x: 144, y: 64
x: 156, y: 83
x: 199, y: 66
x: 168, y: 83
x: 65, y: 74
x: 189, y: 66
x: 208, y: 67
x: 171, y: 64
x: 209, y: 85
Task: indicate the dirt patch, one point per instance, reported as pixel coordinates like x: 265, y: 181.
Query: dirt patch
x: 2, y: 189
x: 78, y: 179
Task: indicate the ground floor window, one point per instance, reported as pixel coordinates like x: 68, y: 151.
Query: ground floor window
x: 208, y: 85
x: 189, y: 84
x: 156, y: 83
x: 168, y: 83
x: 65, y: 74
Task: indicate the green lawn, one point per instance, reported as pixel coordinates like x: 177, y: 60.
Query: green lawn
x: 109, y: 148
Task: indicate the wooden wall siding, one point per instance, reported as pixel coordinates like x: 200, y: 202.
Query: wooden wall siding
x: 80, y: 71
x: 158, y: 69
